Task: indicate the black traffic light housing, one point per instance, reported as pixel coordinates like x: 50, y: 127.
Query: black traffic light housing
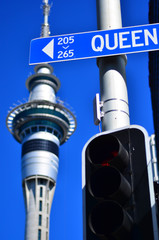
x: 118, y: 191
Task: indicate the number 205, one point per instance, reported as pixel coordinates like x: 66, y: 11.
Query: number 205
x: 66, y: 40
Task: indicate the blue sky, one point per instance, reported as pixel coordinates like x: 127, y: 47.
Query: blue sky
x: 21, y: 22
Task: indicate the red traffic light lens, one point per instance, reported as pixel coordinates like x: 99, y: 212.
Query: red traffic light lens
x: 109, y: 157
x: 107, y: 150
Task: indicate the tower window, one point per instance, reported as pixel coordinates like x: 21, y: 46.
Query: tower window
x: 39, y: 234
x: 40, y: 220
x: 41, y: 181
x: 47, y: 222
x: 34, y: 129
x: 47, y: 208
x: 49, y: 130
x: 40, y: 205
x: 41, y: 128
x: 41, y: 191
x: 27, y: 131
x: 56, y: 133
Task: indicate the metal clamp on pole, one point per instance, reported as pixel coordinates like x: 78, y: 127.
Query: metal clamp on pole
x: 154, y: 158
x: 97, y: 105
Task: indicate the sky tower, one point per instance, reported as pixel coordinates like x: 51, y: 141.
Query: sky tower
x: 40, y: 125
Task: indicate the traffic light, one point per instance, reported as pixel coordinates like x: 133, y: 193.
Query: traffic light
x: 117, y: 182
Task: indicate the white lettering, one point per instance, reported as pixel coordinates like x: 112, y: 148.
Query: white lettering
x: 152, y: 37
x: 122, y: 40
x: 101, y: 45
x: 134, y: 38
x: 115, y: 41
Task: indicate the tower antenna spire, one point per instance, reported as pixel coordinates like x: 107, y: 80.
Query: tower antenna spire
x: 45, y: 27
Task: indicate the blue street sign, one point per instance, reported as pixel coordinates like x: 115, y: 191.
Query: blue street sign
x: 95, y: 44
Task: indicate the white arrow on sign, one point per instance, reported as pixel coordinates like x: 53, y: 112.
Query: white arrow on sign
x: 49, y: 49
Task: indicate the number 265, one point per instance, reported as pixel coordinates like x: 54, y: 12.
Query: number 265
x: 66, y: 54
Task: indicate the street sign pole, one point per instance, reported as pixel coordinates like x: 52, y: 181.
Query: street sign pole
x: 113, y: 87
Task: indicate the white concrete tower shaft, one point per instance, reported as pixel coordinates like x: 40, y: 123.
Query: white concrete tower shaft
x: 113, y: 88
x: 41, y: 125
x: 38, y: 195
x: 39, y: 159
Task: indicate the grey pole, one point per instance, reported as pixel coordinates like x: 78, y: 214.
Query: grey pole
x: 113, y: 88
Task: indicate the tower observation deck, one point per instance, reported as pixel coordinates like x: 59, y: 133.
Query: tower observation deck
x: 41, y: 125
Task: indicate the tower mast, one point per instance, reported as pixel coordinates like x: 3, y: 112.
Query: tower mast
x: 45, y: 28
x: 41, y: 125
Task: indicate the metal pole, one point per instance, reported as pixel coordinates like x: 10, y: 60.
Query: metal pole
x: 45, y: 28
x: 113, y: 88
x: 154, y: 158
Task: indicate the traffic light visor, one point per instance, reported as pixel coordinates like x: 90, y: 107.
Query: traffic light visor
x: 107, y: 150
x: 109, y: 183
x: 110, y: 219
